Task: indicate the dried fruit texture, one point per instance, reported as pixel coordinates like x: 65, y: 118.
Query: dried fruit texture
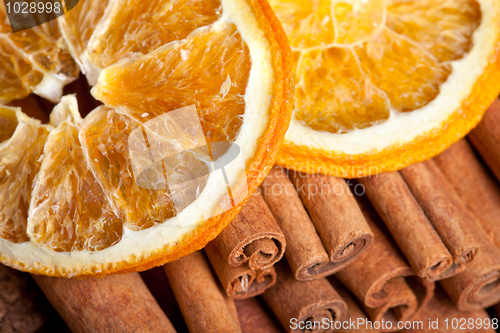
x: 193, y: 117
x: 33, y: 61
x: 362, y: 63
x: 176, y: 76
x: 104, y: 136
x: 308, y: 24
x: 78, y: 24
x: 68, y: 210
x: 19, y: 164
x: 134, y: 20
x: 346, y: 97
x: 445, y: 31
x: 390, y: 58
x: 359, y: 89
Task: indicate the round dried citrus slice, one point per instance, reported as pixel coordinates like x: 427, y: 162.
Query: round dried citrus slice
x: 381, y: 84
x: 193, y: 116
x: 33, y: 60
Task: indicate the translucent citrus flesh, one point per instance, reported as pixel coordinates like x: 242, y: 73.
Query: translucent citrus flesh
x: 105, y: 136
x: 358, y: 59
x: 142, y: 26
x: 79, y: 23
x: 345, y: 98
x: 69, y: 210
x: 26, y: 56
x: 307, y: 23
x: 357, y: 21
x: 443, y: 27
x: 209, y: 69
x: 414, y: 75
x: 20, y: 162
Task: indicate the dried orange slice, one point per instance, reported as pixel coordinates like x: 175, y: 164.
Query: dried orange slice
x: 33, y: 60
x: 192, y: 119
x: 381, y: 84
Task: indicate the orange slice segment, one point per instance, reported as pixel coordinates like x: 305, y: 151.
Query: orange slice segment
x: 33, y: 60
x: 21, y: 145
x: 79, y: 23
x: 446, y: 30
x: 358, y: 21
x: 68, y: 211
x: 104, y: 136
x: 176, y: 76
x: 308, y: 24
x: 169, y: 20
x: 391, y: 58
x: 423, y: 74
x: 345, y: 100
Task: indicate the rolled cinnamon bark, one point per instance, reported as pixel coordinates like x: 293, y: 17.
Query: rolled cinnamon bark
x: 401, y: 305
x: 335, y: 214
x: 479, y: 284
x: 254, y: 318
x: 201, y: 300
x: 408, y: 224
x: 441, y: 315
x: 305, y: 252
x: 252, y: 237
x: 239, y: 282
x: 381, y: 278
x: 443, y: 215
x: 354, y: 311
x: 474, y: 184
x: 304, y: 306
x: 116, y: 303
x: 486, y: 137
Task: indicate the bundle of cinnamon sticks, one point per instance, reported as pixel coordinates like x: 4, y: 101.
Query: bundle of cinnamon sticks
x: 416, y: 244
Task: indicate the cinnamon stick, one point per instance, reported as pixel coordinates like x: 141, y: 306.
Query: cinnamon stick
x: 408, y: 224
x: 382, y: 279
x: 441, y: 315
x: 116, y: 303
x: 253, y: 237
x: 443, y: 215
x: 239, y: 282
x: 474, y: 184
x: 354, y: 311
x: 335, y: 214
x: 201, y: 300
x: 254, y: 318
x: 486, y: 137
x: 479, y: 284
x: 304, y: 306
x: 305, y: 252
